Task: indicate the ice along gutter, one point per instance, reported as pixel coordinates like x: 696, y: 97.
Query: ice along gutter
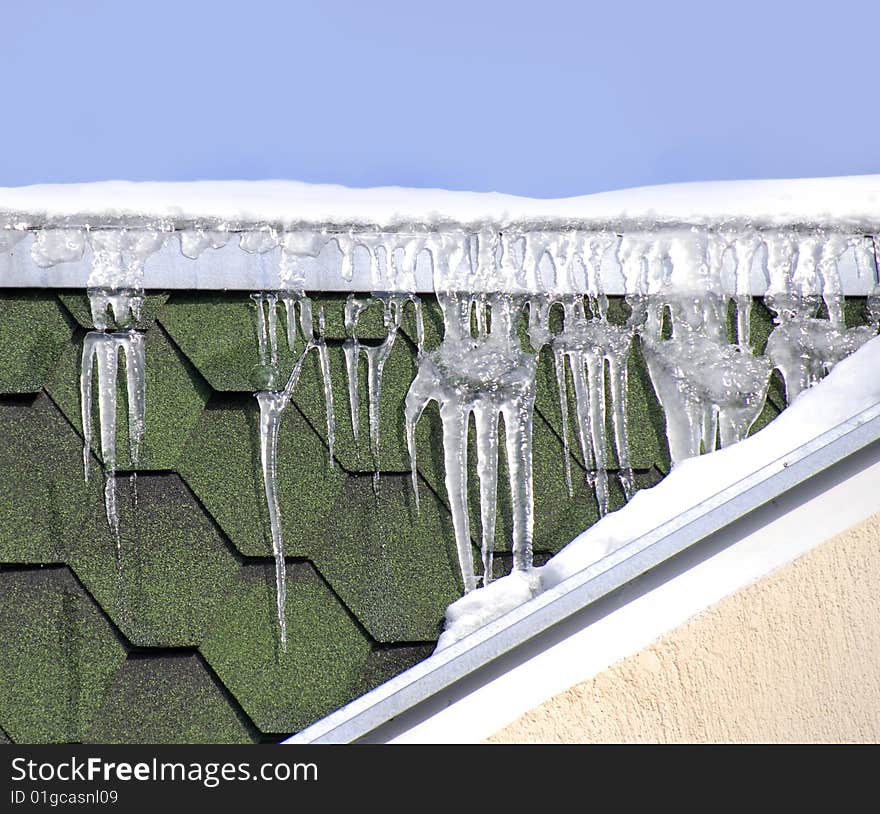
x: 443, y: 672
x: 525, y: 260
x: 267, y: 236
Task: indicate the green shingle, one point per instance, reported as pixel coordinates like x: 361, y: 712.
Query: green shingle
x: 59, y: 654
x: 45, y: 503
x: 284, y: 691
x: 221, y: 465
x: 172, y: 570
x: 218, y: 334
x: 168, y: 699
x: 395, y: 568
x: 175, y: 395
x: 370, y: 322
x: 33, y: 333
x: 384, y: 663
x: 368, y: 579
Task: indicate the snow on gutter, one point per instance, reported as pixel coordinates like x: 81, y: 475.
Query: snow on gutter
x: 248, y: 235
x: 836, y: 421
x: 848, y: 202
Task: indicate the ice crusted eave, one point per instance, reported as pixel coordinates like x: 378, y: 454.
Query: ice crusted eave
x: 850, y: 202
x: 843, y: 394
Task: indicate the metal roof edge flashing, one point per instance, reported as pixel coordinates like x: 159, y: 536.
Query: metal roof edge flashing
x: 318, y: 258
x: 450, y: 665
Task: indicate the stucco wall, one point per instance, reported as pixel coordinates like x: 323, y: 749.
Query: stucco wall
x: 792, y: 658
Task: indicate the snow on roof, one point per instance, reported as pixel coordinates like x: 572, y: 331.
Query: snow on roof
x: 843, y: 394
x: 848, y: 202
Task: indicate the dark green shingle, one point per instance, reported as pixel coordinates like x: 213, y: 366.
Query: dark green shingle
x: 59, y: 654
x: 168, y: 699
x: 283, y: 691
x: 33, y: 332
x: 368, y: 579
x: 45, y: 504
x: 172, y: 570
x: 395, y: 568
x: 221, y: 465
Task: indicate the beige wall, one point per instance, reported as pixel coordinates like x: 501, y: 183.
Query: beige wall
x: 794, y: 657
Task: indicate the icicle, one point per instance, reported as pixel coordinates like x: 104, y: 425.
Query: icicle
x: 376, y: 356
x: 598, y: 245
x: 413, y: 408
x: 488, y: 375
x: 115, y: 286
x: 324, y: 358
x: 832, y: 291
x: 596, y: 384
x: 744, y: 249
x: 134, y: 348
x: 802, y: 347
x: 351, y: 349
x: 617, y: 371
x: 589, y: 345
x: 262, y: 334
x: 272, y: 329
x: 517, y: 415
x: 290, y: 306
x: 295, y: 300
x: 486, y: 422
x: 454, y: 420
x: 701, y: 381
x: 420, y: 325
x: 559, y: 362
x: 105, y: 348
x: 272, y: 404
x: 124, y: 305
x: 346, y: 244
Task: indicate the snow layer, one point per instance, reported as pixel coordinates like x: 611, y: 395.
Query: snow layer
x: 845, y: 392
x: 852, y: 201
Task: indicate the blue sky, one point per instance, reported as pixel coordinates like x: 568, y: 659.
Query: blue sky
x: 541, y: 98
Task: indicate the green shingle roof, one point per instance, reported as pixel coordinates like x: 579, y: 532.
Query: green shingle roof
x: 171, y: 634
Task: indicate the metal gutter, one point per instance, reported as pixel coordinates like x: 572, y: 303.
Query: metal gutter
x: 453, y: 666
x: 231, y: 268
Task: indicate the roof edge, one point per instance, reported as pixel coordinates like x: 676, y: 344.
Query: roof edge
x: 449, y: 666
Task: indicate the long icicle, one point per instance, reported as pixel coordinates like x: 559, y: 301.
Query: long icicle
x: 486, y: 422
x: 272, y: 404
x: 559, y: 363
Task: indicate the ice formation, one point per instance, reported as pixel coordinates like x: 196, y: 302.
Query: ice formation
x: 484, y: 373
x: 376, y: 357
x: 506, y: 292
x: 802, y: 275
x: 711, y: 390
x: 101, y: 350
x: 273, y: 403
x: 115, y: 297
